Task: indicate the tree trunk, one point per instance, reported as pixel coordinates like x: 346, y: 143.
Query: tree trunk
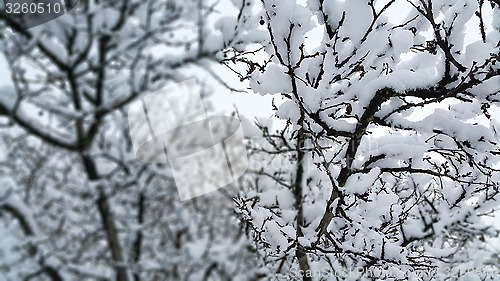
x: 300, y: 253
x: 111, y: 235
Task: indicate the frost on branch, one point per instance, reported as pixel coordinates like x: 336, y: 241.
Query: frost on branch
x: 390, y: 159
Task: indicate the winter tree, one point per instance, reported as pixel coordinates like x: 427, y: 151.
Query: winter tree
x: 389, y: 160
x: 75, y: 204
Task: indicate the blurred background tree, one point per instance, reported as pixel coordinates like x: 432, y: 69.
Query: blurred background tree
x: 74, y: 202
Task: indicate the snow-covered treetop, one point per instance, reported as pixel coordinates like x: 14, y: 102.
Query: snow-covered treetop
x: 394, y: 132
